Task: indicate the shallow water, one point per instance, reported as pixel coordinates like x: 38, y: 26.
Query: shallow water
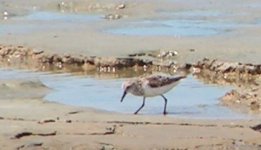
x: 43, y: 20
x: 178, y: 23
x: 191, y: 98
x: 176, y: 27
x: 61, y: 17
x: 189, y: 23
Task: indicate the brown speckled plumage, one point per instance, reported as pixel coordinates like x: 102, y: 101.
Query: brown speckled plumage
x: 155, y: 85
x: 158, y: 81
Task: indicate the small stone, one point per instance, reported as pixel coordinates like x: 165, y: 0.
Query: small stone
x: 37, y: 52
x: 67, y: 55
x: 68, y: 121
x: 22, y: 134
x: 35, y: 144
x: 257, y: 128
x: 56, y: 58
x: 121, y: 6
x: 46, y: 121
x: 5, y: 13
x: 254, y: 105
x: 107, y: 147
x: 167, y: 54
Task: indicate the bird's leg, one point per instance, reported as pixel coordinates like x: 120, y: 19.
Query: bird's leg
x: 141, y: 106
x: 165, y: 106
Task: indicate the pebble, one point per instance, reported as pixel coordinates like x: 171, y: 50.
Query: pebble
x: 46, y: 121
x: 167, y: 54
x: 254, y: 105
x: 121, y: 6
x: 5, y: 13
x: 68, y: 121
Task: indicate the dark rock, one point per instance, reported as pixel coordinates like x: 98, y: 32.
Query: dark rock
x: 37, y: 52
x: 257, y: 128
x: 55, y: 58
x: 78, y: 61
x: 229, y: 70
x: 35, y: 144
x: 68, y: 121
x: 67, y: 60
x: 254, y: 105
x: 186, y: 66
x: 46, y: 121
x: 141, y: 62
x: 22, y: 134
x: 90, y: 60
x: 114, y: 62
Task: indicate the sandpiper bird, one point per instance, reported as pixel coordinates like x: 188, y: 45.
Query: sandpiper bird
x: 150, y: 86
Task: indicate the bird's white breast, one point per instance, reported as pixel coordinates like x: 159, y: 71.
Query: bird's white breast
x: 150, y: 92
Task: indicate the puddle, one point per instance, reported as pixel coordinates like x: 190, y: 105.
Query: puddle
x: 40, y: 21
x: 196, y: 14
x: 176, y: 27
x: 61, y: 17
x: 255, y: 5
x: 182, y: 24
x: 190, y: 98
x: 179, y: 24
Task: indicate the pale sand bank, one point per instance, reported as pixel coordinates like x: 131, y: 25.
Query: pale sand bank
x: 81, y: 128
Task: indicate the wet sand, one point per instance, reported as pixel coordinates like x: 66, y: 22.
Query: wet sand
x: 56, y: 126
x: 30, y: 122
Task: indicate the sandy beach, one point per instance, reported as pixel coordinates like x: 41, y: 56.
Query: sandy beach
x: 55, y: 126
x: 56, y: 30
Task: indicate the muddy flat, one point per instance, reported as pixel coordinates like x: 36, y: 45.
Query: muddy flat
x: 222, y: 30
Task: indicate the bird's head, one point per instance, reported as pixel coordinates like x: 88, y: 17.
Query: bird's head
x: 127, y: 86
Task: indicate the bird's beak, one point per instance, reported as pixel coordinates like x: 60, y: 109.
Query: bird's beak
x: 124, y: 94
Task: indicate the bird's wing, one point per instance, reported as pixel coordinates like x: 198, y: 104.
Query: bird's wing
x: 158, y: 81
